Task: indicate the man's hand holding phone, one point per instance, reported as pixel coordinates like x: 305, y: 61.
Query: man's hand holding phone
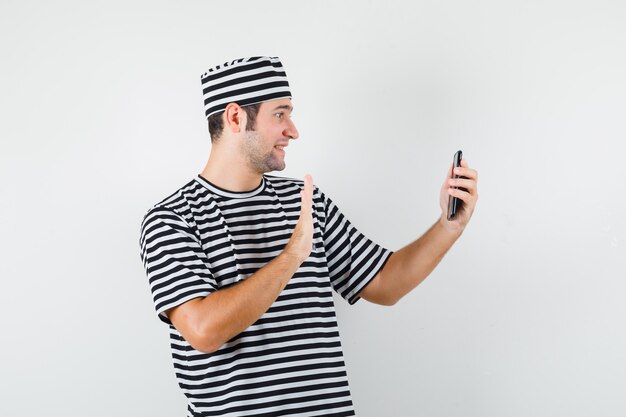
x: 459, y: 194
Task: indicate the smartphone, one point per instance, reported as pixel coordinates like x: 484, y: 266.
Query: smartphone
x: 454, y: 203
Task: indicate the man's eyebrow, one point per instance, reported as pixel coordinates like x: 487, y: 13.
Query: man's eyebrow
x: 284, y: 107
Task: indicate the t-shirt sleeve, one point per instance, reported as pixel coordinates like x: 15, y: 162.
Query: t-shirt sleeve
x: 176, y: 266
x: 353, y: 259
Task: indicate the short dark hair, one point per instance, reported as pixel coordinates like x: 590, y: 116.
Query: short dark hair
x: 216, y: 123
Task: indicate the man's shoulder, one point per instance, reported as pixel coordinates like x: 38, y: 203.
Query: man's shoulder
x: 177, y: 203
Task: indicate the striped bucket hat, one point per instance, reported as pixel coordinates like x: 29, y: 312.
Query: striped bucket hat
x: 243, y: 81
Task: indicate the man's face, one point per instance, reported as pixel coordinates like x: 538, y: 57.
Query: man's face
x: 262, y: 147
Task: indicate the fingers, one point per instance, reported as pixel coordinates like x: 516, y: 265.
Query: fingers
x: 465, y: 171
x: 308, y: 184
x: 469, y: 185
x: 469, y: 181
x: 463, y: 195
x: 307, y: 194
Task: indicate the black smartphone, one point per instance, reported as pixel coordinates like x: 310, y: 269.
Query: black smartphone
x: 454, y: 203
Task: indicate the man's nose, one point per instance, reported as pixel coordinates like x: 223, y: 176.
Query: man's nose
x: 291, y: 131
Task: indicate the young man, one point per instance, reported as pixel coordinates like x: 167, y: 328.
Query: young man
x: 242, y: 264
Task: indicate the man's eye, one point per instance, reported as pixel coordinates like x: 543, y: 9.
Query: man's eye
x: 279, y: 115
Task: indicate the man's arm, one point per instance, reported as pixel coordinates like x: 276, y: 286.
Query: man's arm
x: 409, y: 266
x: 207, y: 323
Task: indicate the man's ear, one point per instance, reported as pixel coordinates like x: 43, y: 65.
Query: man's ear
x: 235, y: 118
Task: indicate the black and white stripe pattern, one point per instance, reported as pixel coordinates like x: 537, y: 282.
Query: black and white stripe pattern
x: 243, y: 81
x: 289, y: 362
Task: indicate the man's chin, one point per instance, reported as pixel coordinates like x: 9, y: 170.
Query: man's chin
x: 277, y: 165
x: 272, y: 167
x: 279, y: 168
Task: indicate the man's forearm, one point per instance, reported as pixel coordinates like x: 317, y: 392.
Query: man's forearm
x: 232, y: 310
x: 207, y: 323
x: 409, y: 266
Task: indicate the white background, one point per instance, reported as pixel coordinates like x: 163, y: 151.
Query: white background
x: 102, y: 117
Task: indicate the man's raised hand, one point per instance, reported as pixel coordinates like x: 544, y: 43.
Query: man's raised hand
x: 301, y: 241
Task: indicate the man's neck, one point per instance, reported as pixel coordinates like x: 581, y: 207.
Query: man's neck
x: 232, y: 174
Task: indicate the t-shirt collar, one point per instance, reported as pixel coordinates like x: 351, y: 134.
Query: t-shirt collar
x: 230, y: 194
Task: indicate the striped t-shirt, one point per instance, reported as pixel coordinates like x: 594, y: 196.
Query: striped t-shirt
x: 290, y: 362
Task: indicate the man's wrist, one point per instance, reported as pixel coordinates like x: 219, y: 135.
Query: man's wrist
x: 290, y: 260
x: 452, y: 228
